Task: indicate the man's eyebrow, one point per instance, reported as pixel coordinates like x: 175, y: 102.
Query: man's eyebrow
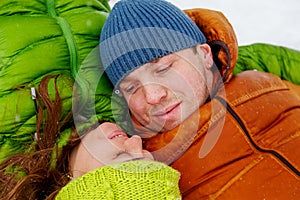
x: 163, y: 59
x: 124, y: 81
x: 156, y: 60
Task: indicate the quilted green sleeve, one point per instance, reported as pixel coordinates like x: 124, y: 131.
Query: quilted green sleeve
x: 39, y: 38
x: 282, y: 61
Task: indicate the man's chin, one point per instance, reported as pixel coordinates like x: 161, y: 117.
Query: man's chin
x: 163, y: 127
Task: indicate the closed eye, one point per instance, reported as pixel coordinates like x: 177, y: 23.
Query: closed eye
x: 163, y: 69
x: 131, y: 88
x: 121, y: 153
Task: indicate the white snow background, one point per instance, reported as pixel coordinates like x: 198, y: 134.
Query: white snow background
x: 267, y: 21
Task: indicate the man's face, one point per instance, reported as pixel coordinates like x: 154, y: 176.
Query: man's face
x: 162, y: 94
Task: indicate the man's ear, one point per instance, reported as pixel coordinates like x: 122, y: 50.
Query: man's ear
x: 205, y: 50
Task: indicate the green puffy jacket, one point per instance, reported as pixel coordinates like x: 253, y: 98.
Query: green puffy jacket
x: 281, y: 61
x: 43, y: 37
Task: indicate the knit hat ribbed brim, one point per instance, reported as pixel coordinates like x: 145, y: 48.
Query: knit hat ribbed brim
x: 139, y: 31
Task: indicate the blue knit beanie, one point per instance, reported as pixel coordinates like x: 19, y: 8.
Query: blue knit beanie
x: 139, y: 31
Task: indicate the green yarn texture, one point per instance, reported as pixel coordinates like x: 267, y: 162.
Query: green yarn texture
x: 130, y: 180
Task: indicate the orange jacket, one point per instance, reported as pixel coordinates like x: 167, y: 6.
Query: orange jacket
x: 244, y: 143
x: 256, y: 152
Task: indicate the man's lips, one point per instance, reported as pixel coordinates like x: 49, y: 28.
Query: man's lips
x: 166, y: 112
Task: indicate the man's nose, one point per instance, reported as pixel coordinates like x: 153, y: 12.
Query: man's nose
x: 154, y: 93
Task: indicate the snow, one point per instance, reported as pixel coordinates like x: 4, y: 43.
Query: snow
x: 268, y: 21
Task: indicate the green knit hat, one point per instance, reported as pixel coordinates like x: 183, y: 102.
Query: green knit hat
x: 129, y: 180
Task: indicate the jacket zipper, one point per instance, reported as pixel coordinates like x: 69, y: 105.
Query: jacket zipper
x: 242, y: 125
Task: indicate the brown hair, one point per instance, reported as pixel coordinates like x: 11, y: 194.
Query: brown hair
x: 30, y: 175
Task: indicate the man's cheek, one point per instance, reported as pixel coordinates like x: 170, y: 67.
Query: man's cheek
x: 137, y: 107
